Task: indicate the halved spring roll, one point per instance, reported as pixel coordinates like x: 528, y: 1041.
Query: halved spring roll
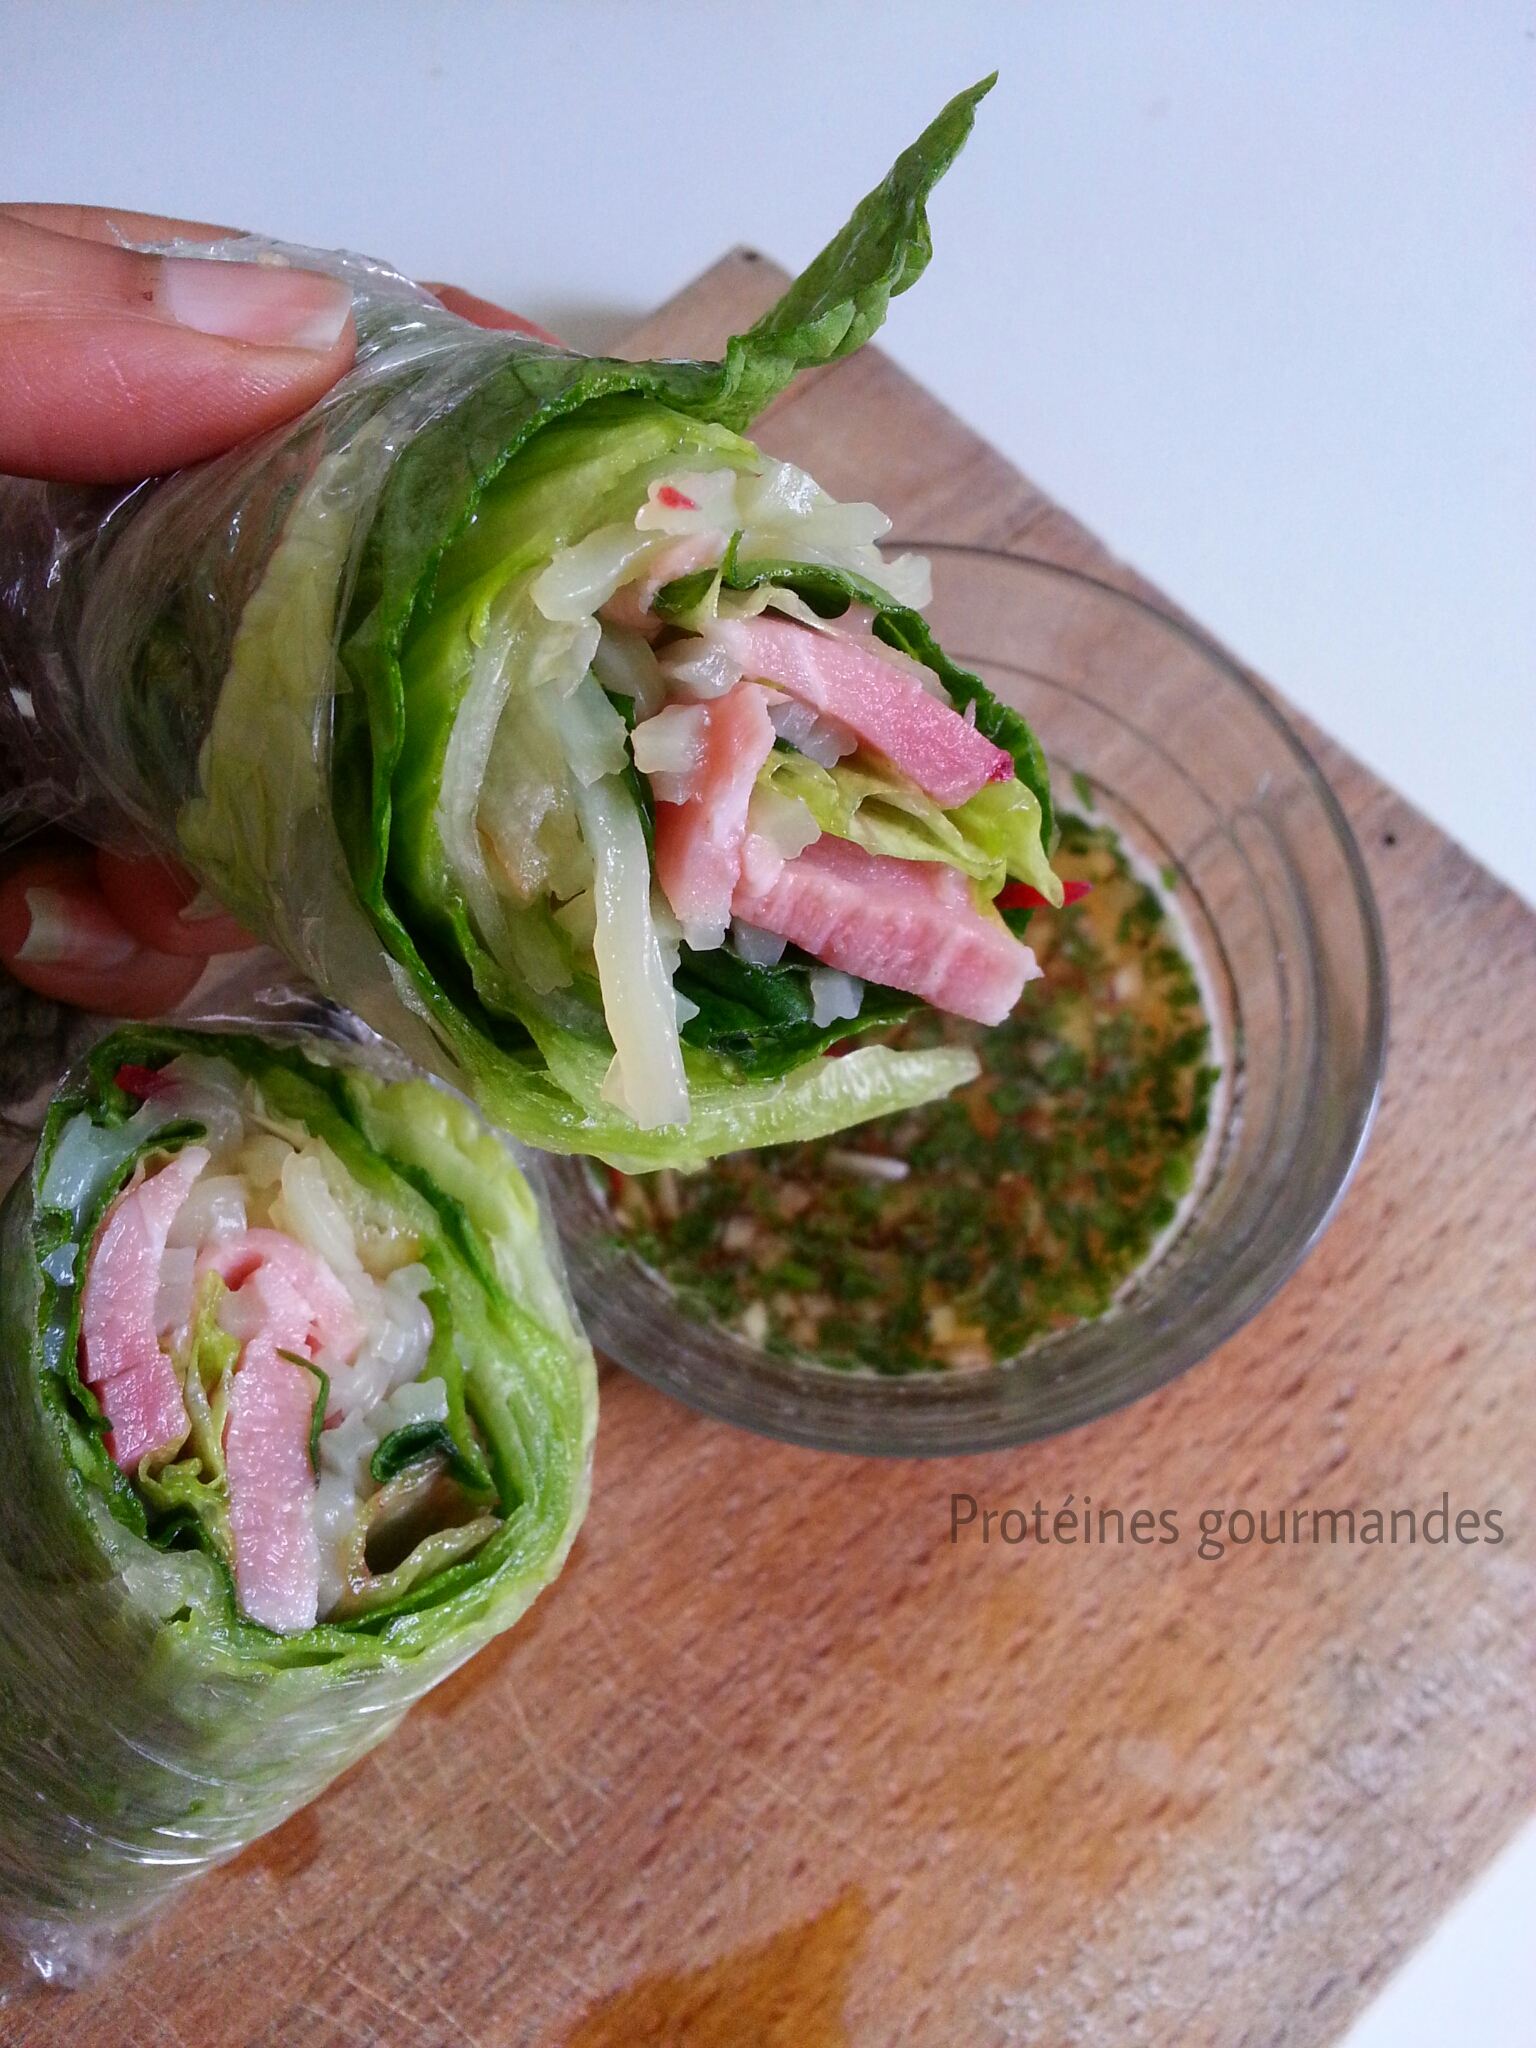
x: 295, y: 1419
x: 596, y: 758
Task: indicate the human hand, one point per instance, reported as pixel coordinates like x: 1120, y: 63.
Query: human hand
x: 116, y: 365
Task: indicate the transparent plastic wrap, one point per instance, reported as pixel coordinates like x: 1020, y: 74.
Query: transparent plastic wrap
x: 303, y: 668
x: 153, y: 1726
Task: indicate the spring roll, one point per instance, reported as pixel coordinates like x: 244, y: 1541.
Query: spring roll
x: 596, y: 757
x: 295, y: 1419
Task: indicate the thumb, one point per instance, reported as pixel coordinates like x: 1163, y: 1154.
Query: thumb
x: 116, y: 365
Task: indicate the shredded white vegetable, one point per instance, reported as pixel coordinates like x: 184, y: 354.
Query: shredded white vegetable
x: 173, y: 1297
x: 698, y: 669
x: 757, y: 947
x: 593, y: 732
x: 214, y: 1209
x: 625, y: 665
x: 821, y: 739
x: 505, y: 812
x: 834, y: 995
x: 697, y: 501
x: 785, y: 822
x: 785, y: 514
x: 669, y: 749
x: 646, y: 1079
x: 527, y: 815
x: 581, y: 579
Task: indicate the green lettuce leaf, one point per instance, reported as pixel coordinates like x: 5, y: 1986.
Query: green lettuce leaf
x: 413, y: 1441
x: 836, y: 304
x: 763, y: 1018
x: 993, y: 835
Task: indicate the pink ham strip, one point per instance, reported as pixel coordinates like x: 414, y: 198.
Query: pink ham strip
x: 297, y: 1305
x: 911, y: 924
x: 266, y: 1455
x: 847, y: 680
x: 698, y: 843
x: 121, y: 1359
x: 298, y: 1290
x: 146, y: 1411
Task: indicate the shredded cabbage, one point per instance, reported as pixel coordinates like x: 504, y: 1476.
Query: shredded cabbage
x: 834, y: 995
x: 646, y: 1079
x: 669, y: 750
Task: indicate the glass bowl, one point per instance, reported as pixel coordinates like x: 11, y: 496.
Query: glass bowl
x: 1202, y: 778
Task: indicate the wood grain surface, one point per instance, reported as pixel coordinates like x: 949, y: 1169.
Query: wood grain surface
x: 777, y: 1765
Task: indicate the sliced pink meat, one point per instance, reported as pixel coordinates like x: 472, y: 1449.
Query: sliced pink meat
x: 846, y: 679
x: 271, y: 1484
x: 911, y: 924
x: 295, y: 1297
x: 282, y: 1297
x: 121, y: 1357
x: 145, y: 1409
x: 698, y: 843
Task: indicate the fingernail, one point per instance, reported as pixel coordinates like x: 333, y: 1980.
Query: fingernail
x: 65, y: 931
x: 257, y: 302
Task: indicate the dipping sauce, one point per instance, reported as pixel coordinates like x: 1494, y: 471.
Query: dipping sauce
x: 949, y: 1237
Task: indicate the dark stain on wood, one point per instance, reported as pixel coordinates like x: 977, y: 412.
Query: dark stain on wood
x: 790, y: 1991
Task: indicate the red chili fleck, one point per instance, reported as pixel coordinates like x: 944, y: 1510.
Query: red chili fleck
x: 142, y: 1082
x: 670, y: 496
x: 1020, y: 896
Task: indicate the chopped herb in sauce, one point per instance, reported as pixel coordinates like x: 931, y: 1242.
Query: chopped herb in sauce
x: 952, y: 1236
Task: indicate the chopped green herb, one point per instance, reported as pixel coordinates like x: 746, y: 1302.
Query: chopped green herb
x: 322, y: 1402
x: 954, y: 1235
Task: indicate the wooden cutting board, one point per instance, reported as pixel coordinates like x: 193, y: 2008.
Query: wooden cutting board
x: 776, y: 1765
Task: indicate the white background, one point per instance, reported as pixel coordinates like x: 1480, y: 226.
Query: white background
x: 1247, y: 287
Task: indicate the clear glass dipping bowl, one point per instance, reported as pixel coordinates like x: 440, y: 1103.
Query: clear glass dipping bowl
x: 1199, y: 773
